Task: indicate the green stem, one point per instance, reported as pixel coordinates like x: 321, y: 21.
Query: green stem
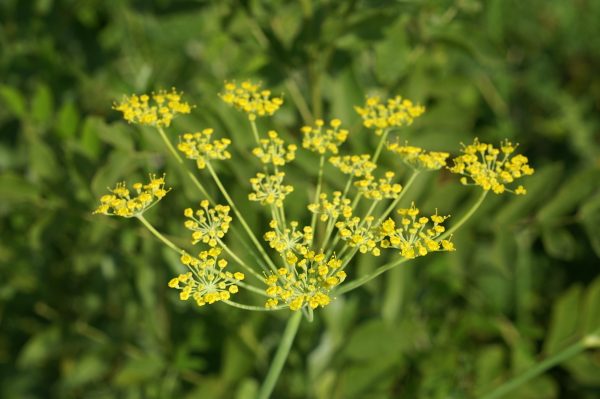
x: 466, y: 216
x: 255, y: 132
x: 240, y: 261
x: 380, y: 145
x: 181, y: 163
x: 250, y: 307
x: 313, y: 221
x: 158, y: 235
x: 280, y: 356
x: 544, y: 365
x: 240, y: 217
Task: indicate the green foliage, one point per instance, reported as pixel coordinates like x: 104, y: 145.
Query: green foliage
x: 84, y: 307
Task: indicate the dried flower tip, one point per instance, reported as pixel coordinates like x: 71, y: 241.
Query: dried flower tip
x: 395, y: 112
x: 321, y: 140
x: 159, y: 109
x: 481, y: 164
x: 122, y: 202
x: 249, y: 98
x: 199, y: 146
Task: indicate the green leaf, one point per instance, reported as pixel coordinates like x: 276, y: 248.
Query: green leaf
x: 68, y: 120
x: 40, y: 348
x: 139, y: 370
x: 13, y: 100
x: 89, y: 139
x: 371, y: 340
x: 559, y: 243
x: 565, y: 320
x: 42, y: 105
x: 17, y: 189
x: 87, y: 369
x: 589, y: 217
x: 591, y: 309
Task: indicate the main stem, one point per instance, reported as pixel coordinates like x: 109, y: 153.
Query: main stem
x: 280, y: 356
x: 158, y: 235
x: 544, y: 365
x: 466, y: 216
x: 313, y: 222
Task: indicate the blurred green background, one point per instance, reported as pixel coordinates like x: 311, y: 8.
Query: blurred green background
x: 84, y: 307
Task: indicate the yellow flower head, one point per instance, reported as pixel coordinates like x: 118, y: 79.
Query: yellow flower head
x: 415, y: 236
x: 338, y: 205
x: 395, y: 112
x: 198, y: 146
x: 269, y: 189
x: 207, y: 281
x: 307, y: 284
x: 291, y: 239
x: 209, y: 225
x: 157, y: 109
x: 419, y: 159
x: 125, y: 203
x: 377, y: 190
x: 272, y: 150
x: 249, y: 97
x: 491, y: 168
x: 359, y: 234
x: 321, y: 139
x: 356, y: 165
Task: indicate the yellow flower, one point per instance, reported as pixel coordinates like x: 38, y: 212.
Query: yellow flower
x: 272, y: 150
x: 319, y: 139
x: 249, y: 98
x: 359, y: 234
x: 381, y: 189
x: 415, y: 236
x: 122, y: 202
x: 290, y: 239
x: 269, y: 189
x: 395, y: 112
x: 331, y: 209
x: 491, y: 168
x: 356, y: 165
x: 198, y: 146
x: 159, y: 109
x: 207, y: 282
x: 306, y: 285
x: 419, y: 159
x: 209, y: 225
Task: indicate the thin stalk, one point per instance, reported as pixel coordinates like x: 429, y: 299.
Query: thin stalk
x: 250, y: 288
x: 240, y: 217
x: 380, y: 145
x: 542, y: 366
x: 299, y: 100
x: 158, y: 235
x: 255, y: 131
x: 240, y: 261
x: 180, y: 161
x: 313, y: 221
x: 466, y: 216
x: 250, y: 307
x: 280, y: 356
x: 397, y: 200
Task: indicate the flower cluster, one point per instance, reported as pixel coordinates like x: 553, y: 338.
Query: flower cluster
x: 209, y: 225
x: 483, y: 165
x: 159, y: 109
x: 289, y: 240
x: 356, y: 165
x: 249, y: 97
x: 272, y: 150
x: 198, y: 146
x: 377, y: 190
x: 395, y: 112
x: 359, y: 234
x: 419, y: 159
x: 269, y: 189
x: 339, y: 205
x: 307, y: 283
x: 122, y: 202
x: 416, y: 236
x: 206, y: 282
x: 321, y: 139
